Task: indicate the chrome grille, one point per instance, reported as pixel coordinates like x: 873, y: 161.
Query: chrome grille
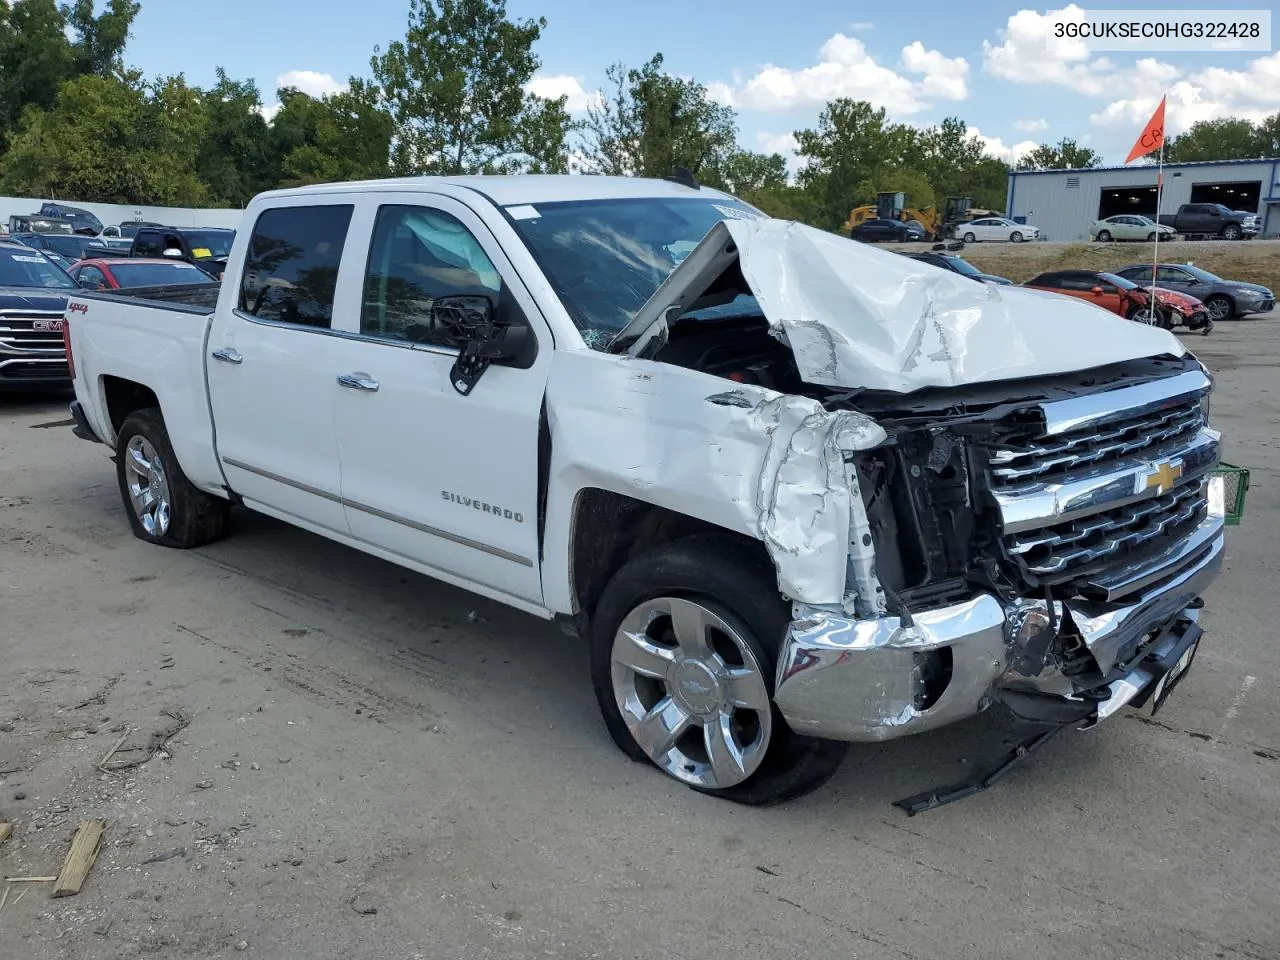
x: 19, y: 333
x: 1080, y: 547
x: 1080, y: 452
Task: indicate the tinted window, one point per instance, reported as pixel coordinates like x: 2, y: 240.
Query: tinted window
x: 158, y: 274
x: 419, y: 255
x: 1076, y: 281
x: 146, y: 243
x: 291, y: 269
x: 1166, y: 274
x: 1110, y: 280
x: 210, y: 243
x: 26, y: 268
x: 91, y: 277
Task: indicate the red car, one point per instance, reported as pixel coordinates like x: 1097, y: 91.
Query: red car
x: 113, y: 274
x: 1128, y: 299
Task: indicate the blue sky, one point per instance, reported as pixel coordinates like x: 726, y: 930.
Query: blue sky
x: 776, y: 63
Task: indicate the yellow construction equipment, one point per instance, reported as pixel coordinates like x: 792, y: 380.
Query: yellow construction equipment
x: 893, y: 206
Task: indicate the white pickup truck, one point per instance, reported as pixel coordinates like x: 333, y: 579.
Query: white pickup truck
x: 796, y: 491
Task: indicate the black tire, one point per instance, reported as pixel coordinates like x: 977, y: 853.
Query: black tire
x: 1104, y: 236
x: 1231, y: 232
x: 1221, y: 306
x: 1151, y: 238
x: 970, y: 238
x: 195, y: 517
x: 1136, y: 314
x: 742, y: 589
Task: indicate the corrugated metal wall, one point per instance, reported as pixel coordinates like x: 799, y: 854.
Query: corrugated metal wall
x: 1064, y: 203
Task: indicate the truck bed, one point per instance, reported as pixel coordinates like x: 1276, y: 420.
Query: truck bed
x: 152, y: 339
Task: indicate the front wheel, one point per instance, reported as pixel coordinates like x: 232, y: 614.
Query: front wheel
x: 1219, y: 307
x: 1015, y: 237
x: 1145, y: 313
x: 1151, y: 238
x: 1231, y: 232
x: 163, y: 506
x: 970, y: 238
x: 684, y: 645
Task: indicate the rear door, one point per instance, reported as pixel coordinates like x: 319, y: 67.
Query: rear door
x: 446, y: 480
x: 273, y: 362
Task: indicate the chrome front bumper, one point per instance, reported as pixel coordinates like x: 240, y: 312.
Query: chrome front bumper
x: 864, y: 680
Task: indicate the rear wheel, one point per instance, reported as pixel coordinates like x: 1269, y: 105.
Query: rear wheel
x: 163, y: 506
x: 684, y: 648
x: 1104, y: 236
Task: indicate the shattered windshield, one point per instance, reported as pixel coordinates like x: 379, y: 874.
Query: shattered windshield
x: 606, y: 258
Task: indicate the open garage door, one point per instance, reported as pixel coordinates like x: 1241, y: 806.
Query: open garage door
x: 1240, y: 195
x: 1130, y: 200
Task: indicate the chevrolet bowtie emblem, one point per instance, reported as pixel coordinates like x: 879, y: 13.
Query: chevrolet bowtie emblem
x: 1163, y: 476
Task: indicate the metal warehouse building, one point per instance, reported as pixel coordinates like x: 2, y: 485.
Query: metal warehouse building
x: 1065, y: 203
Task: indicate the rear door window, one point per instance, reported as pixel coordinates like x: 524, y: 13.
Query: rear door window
x: 291, y: 268
x: 146, y: 243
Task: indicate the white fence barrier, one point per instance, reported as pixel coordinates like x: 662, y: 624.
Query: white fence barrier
x: 110, y: 213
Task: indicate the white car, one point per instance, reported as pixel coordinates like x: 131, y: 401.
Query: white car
x: 997, y: 228
x: 1129, y: 226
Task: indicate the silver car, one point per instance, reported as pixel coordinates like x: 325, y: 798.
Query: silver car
x: 1129, y: 226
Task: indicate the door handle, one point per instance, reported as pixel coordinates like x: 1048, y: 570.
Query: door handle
x: 358, y: 381
x: 228, y: 355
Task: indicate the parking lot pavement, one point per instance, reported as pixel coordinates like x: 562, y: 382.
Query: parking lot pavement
x: 323, y: 736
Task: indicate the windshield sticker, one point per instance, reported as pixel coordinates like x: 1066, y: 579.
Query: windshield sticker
x: 201, y: 253
x: 736, y: 213
x: 21, y: 259
x: 523, y: 212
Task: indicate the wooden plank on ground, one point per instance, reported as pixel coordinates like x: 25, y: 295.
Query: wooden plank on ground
x: 80, y: 858
x: 5, y: 830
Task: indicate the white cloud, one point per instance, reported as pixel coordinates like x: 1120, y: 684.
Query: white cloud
x: 996, y: 147
x: 311, y: 82
x: 268, y: 111
x: 861, y: 26
x: 944, y: 77
x: 555, y: 86
x: 720, y: 93
x: 1031, y: 126
x: 846, y: 69
x: 783, y: 143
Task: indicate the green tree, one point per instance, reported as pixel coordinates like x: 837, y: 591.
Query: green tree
x: 236, y: 160
x: 653, y: 122
x: 111, y: 140
x: 35, y: 57
x: 743, y: 172
x: 100, y: 39
x: 1228, y: 138
x: 349, y: 139
x: 455, y: 89
x: 854, y: 145
x: 1066, y: 154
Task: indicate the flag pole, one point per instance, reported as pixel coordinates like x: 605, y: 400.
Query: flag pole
x: 1155, y: 247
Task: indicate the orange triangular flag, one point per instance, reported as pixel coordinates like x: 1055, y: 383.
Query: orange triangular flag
x: 1152, y: 135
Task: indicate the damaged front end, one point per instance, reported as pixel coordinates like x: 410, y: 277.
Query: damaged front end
x: 1047, y: 552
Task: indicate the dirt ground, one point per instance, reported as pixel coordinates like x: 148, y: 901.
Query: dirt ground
x: 1253, y: 261
x: 332, y: 758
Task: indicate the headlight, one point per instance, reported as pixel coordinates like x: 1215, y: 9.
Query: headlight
x: 1241, y: 291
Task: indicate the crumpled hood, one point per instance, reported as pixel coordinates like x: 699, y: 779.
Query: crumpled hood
x: 858, y: 317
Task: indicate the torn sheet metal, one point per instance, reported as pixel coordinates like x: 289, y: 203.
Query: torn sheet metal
x: 860, y: 317
x: 740, y: 457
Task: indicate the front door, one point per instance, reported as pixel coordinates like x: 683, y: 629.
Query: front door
x: 272, y: 366
x: 446, y: 480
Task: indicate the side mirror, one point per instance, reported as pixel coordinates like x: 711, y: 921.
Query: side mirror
x: 86, y: 283
x: 172, y: 252
x: 473, y: 324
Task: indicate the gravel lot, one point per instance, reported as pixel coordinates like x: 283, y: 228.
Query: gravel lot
x: 362, y: 739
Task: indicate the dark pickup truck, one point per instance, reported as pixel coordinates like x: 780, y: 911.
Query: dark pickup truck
x: 1207, y: 220
x: 206, y: 248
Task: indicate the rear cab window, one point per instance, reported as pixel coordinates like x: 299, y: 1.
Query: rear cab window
x: 291, y: 265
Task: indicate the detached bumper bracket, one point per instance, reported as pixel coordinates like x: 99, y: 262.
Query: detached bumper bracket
x: 941, y: 796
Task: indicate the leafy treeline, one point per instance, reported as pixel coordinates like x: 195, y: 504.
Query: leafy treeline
x: 452, y: 96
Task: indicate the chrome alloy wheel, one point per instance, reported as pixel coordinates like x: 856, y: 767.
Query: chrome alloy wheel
x: 692, y: 692
x: 148, y: 486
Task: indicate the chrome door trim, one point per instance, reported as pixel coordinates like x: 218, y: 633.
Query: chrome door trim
x: 382, y: 514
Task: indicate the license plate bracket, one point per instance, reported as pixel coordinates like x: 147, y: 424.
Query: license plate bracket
x: 1165, y: 686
